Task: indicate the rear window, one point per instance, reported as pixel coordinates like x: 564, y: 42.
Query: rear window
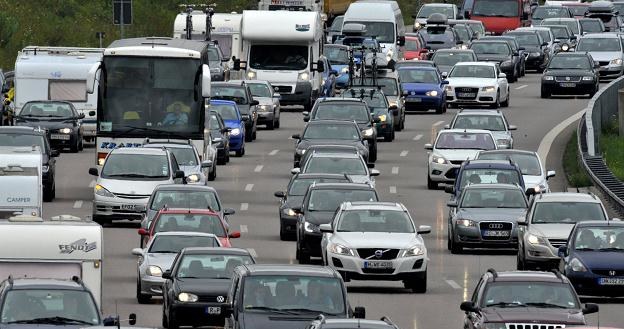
x: 489, y: 176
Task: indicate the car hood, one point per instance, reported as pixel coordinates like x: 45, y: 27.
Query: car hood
x: 140, y: 187
x: 492, y: 58
x: 501, y: 134
x: 377, y: 239
x: 189, y: 170
x: 420, y: 86
x: 605, y: 55
x: 44, y: 326
x: 162, y: 260
x: 319, y: 217
x: 613, y: 260
x: 47, y: 125
x: 209, y: 287
x: 458, y: 154
x: 264, y: 100
x: 553, y: 231
x: 262, y: 320
x: 537, y: 315
x: 486, y: 214
x: 293, y: 201
x: 362, y: 179
x: 277, y: 76
x: 471, y: 82
x: 445, y: 68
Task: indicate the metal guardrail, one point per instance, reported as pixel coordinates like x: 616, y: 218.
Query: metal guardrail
x: 601, y: 110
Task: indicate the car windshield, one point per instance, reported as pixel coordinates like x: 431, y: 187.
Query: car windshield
x: 452, y: 58
x: 336, y: 165
x: 185, y: 156
x: 214, y: 123
x: 526, y: 39
x: 545, y: 35
x: 578, y: 10
x: 527, y: 162
x: 473, y: 71
x: 611, y: 22
x: 383, y: 31
x: 486, y: 122
x: 231, y: 93
x: 463, y: 32
x: 530, y: 294
x: 49, y: 306
x: 477, y: 27
x: 550, y: 12
x: 136, y: 166
x: 342, y: 111
x: 604, y: 238
x: 22, y: 140
x: 560, y: 32
x: 294, y: 294
x: 566, y: 212
x: 463, y: 140
x: 599, y: 44
x: 569, y: 63
x: 496, y: 8
x: 260, y: 90
x: 299, y: 186
x: 186, y: 199
x: 190, y: 223
x: 228, y: 112
x: 278, y: 57
x: 391, y: 221
x: 493, y: 198
x: 376, y: 101
x: 411, y: 44
x: 210, y: 266
x: 48, y: 110
x: 337, y: 55
x: 332, y: 131
x: 591, y: 25
x: 337, y: 24
x: 330, y: 199
x: 172, y: 244
x: 571, y: 24
x: 426, y: 10
x: 490, y: 48
x: 416, y: 75
x: 489, y: 176
x: 389, y: 86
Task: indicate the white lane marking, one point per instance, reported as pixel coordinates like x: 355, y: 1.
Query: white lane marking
x: 78, y: 204
x: 392, y: 189
x: 417, y: 137
x: 249, y: 187
x: 258, y: 168
x: 244, y: 206
x: 253, y: 252
x: 92, y: 184
x: 549, y: 138
x: 453, y: 284
x: 395, y: 170
x: 274, y: 152
x: 438, y: 123
x: 243, y: 229
x: 404, y: 153
x: 521, y: 87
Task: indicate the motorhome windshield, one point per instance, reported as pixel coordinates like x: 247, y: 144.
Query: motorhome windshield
x: 278, y: 57
x: 383, y: 31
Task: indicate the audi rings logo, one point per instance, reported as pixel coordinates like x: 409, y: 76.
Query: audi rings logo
x: 612, y: 273
x: 220, y: 299
x: 379, y: 253
x: 495, y: 226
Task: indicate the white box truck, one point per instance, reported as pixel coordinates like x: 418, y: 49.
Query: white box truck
x: 20, y: 181
x: 58, y: 248
x: 58, y: 73
x: 284, y: 48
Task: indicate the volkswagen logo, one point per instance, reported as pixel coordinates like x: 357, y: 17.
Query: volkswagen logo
x: 567, y: 78
x: 612, y: 273
x: 412, y: 93
x: 495, y: 226
x: 379, y: 253
x: 220, y: 299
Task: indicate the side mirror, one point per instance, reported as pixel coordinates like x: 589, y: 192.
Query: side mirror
x: 236, y: 64
x: 254, y: 103
x: 370, y: 165
x: 225, y: 130
x: 206, y: 164
x: 424, y: 229
x: 502, y: 75
x: 573, y: 37
x: 525, y: 16
x: 515, y: 53
x: 109, y: 321
x: 245, y: 117
x: 563, y: 251
x: 205, y: 81
x: 550, y: 173
x: 447, y: 126
x: 544, y: 44
x: 143, y: 232
x: 359, y: 312
x: 91, y: 113
x: 229, y: 211
x: 137, y: 251
x: 530, y: 191
x: 296, y: 136
x: 428, y: 147
x: 167, y: 275
x: 521, y: 48
x: 325, y: 228
x: 466, y: 14
x: 93, y: 172
x: 522, y: 221
x: 450, y: 189
x: 590, y: 308
x: 444, y: 75
x: 132, y: 319
x: 333, y: 72
x: 297, y: 209
x: 305, y: 113
x: 81, y: 116
x: 295, y: 171
x: 451, y: 203
x: 320, y: 66
x: 401, y: 41
x: 459, y: 42
x: 376, y: 120
x: 91, y: 75
x: 468, y: 307
x: 512, y: 127
x: 178, y: 174
x: 55, y: 153
x: 374, y: 172
x: 280, y: 194
x: 234, y: 235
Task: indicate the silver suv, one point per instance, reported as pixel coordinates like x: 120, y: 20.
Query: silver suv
x: 548, y: 224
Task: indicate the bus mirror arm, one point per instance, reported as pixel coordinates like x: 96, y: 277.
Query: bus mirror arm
x: 205, y: 81
x: 91, y: 75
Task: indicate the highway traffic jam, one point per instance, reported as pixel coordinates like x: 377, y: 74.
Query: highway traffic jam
x: 312, y: 164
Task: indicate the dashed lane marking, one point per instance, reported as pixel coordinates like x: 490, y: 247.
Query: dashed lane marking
x: 438, y: 123
x: 418, y: 137
x: 253, y: 252
x: 258, y: 168
x: 244, y: 229
x: 395, y: 170
x: 244, y: 206
x: 78, y: 204
x: 274, y: 152
x: 249, y: 187
x: 404, y: 153
x: 521, y: 87
x: 392, y: 189
x: 453, y: 284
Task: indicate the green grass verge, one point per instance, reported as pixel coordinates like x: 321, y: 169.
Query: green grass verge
x: 612, y: 147
x: 576, y: 175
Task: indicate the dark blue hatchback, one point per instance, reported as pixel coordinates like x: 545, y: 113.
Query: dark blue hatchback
x: 423, y: 89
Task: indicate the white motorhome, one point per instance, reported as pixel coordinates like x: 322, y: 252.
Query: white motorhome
x: 20, y: 181
x: 383, y: 20
x: 58, y: 73
x: 291, y: 5
x: 58, y: 248
x: 284, y: 48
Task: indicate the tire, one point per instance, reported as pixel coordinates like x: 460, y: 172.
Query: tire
x: 304, y: 257
x: 164, y: 320
x: 50, y: 193
x: 520, y: 264
x: 248, y: 137
x: 76, y: 147
x: 388, y: 136
x: 593, y: 92
x: 431, y: 184
x: 442, y: 109
x: 222, y: 160
x: 277, y: 123
x: 497, y: 103
x: 142, y: 298
x: 173, y: 324
x: 544, y: 93
x: 254, y: 135
x: 227, y: 156
x: 270, y: 125
x: 417, y: 284
x: 506, y: 102
x: 240, y: 152
x: 393, y: 135
x: 283, y: 234
x: 372, y: 153
x: 81, y: 146
x: 213, y: 174
x: 401, y: 124
x: 456, y: 248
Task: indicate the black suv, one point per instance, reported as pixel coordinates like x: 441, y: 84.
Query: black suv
x: 286, y: 296
x: 239, y: 93
x: 28, y: 136
x: 523, y: 299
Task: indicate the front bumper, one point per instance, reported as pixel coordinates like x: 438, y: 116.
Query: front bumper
x: 289, y: 223
x: 236, y: 142
x: 151, y: 285
x: 422, y: 103
x: 589, y: 283
x: 541, y: 255
x: 569, y: 88
x: 311, y: 243
x: 611, y: 71
x: 266, y: 117
x: 59, y: 141
x: 384, y: 128
x: 403, y: 268
x: 445, y: 173
x: 535, y: 62
x: 474, y: 236
x: 89, y: 129
x: 297, y: 94
x: 119, y: 208
x: 196, y: 314
x: 474, y: 96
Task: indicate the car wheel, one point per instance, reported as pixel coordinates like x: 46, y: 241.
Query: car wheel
x: 277, y: 122
x: 544, y: 93
x: 173, y: 324
x: 431, y: 184
x: 240, y: 152
x: 441, y: 109
x: 418, y: 284
x: 304, y: 257
x: 222, y: 160
x: 49, y: 193
x: 402, y: 124
x: 520, y: 264
x: 142, y: 298
x: 497, y: 102
x: 254, y: 135
x: 164, y: 320
x: 456, y: 247
x: 227, y: 156
x: 76, y: 147
x: 388, y: 137
x: 81, y: 146
x: 372, y: 153
x: 213, y: 174
x: 393, y: 135
x: 506, y: 102
x: 270, y: 125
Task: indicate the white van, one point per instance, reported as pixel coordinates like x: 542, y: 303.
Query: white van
x: 284, y: 48
x: 58, y: 73
x: 383, y: 20
x: 20, y: 181
x: 59, y: 248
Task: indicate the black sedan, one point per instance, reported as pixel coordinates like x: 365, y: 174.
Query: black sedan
x: 536, y: 49
x: 196, y: 287
x: 570, y: 74
x: 500, y: 51
x: 59, y: 119
x: 220, y: 137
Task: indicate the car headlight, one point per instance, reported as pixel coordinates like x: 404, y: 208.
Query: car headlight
x: 389, y: 55
x: 368, y: 132
x: 300, y: 151
x: 617, y: 61
x: 194, y: 178
x: 588, y: 78
x: 303, y: 76
x: 340, y: 249
x: 488, y: 89
x: 438, y: 159
x: 383, y: 118
x: 576, y: 266
x: 432, y: 93
x: 506, y: 63
x: 414, y: 251
x: 495, y: 325
x: 565, y: 47
x: 466, y: 223
x: 251, y: 75
x: 344, y: 70
x: 503, y: 142
x: 534, y: 239
x: 265, y: 108
x: 101, y: 191
x: 463, y: 47
x: 312, y: 228
x: 187, y: 297
x: 45, y: 168
x: 154, y: 270
x: 235, y: 131
x: 65, y: 130
x: 289, y: 212
x: 448, y: 88
x: 548, y: 78
x: 417, y: 25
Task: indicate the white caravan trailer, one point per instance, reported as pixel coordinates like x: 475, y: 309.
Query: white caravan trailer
x: 20, y: 181
x: 291, y: 5
x: 284, y: 48
x: 58, y: 73
x: 58, y: 248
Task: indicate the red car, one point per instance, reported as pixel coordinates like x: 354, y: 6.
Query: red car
x: 189, y: 220
x: 414, y: 47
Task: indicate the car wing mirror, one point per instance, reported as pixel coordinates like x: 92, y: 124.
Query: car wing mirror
x: 167, y: 275
x: 562, y: 251
x: 137, y: 251
x: 468, y: 306
x: 234, y: 235
x: 512, y: 127
x: 325, y: 228
x: 428, y: 147
x: 55, y: 153
x: 93, y: 172
x: 359, y: 312
x: 229, y: 211
x: 450, y: 189
x: 550, y: 173
x: 374, y: 172
x: 206, y: 164
x: 590, y: 308
x: 280, y: 194
x: 451, y: 204
x: 424, y: 229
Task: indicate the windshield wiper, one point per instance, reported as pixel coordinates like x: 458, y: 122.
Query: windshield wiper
x: 160, y: 132
x: 164, y: 252
x: 545, y: 305
x: 270, y: 309
x: 53, y: 320
x: 506, y: 304
x: 611, y: 249
x: 585, y: 249
x: 135, y: 175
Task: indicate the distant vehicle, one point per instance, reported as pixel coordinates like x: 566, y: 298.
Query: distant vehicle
x: 220, y: 135
x: 572, y: 23
x: 338, y: 56
x: 415, y: 47
x: 494, y: 121
x: 445, y: 59
x: 499, y: 51
x: 381, y: 111
x: 235, y: 122
x: 63, y: 124
x: 449, y: 10
x: 240, y: 93
x: 269, y: 107
x: 543, y: 12
x: 592, y: 25
x: 349, y: 164
x: 536, y: 49
x: 21, y: 178
x: 606, y: 50
x: 423, y: 89
x: 578, y: 8
x: 606, y: 11
x: 499, y: 16
x: 534, y: 174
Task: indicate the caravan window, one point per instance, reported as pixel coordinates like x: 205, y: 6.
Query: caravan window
x: 278, y: 57
x: 67, y: 90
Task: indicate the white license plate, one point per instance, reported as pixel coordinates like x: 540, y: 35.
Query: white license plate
x: 213, y: 310
x: 496, y: 233
x: 128, y: 207
x: 60, y: 136
x: 466, y: 95
x: 376, y: 264
x: 611, y: 281
x: 414, y: 99
x: 568, y: 84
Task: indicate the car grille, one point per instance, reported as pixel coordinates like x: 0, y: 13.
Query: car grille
x: 210, y: 299
x: 534, y: 326
x: 557, y: 242
x: 283, y: 89
x: 567, y: 79
x: 132, y: 196
x: 369, y: 253
x: 603, y: 63
x: 609, y: 272
x: 457, y: 162
x: 496, y: 226
x: 473, y: 91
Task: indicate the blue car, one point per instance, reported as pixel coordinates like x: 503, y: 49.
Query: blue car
x: 232, y: 118
x: 422, y: 89
x: 338, y: 56
x: 593, y: 258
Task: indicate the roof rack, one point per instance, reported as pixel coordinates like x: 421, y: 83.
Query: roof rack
x: 493, y: 272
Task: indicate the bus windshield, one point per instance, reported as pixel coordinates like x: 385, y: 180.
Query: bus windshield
x: 154, y: 95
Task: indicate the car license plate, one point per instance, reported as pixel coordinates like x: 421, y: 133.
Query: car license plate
x: 376, y: 264
x: 414, y: 99
x: 471, y: 95
x: 128, y: 207
x: 213, y: 310
x: 568, y: 84
x: 60, y: 136
x: 611, y: 281
x: 496, y: 233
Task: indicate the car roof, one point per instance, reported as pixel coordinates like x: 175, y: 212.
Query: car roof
x: 339, y: 99
x: 188, y: 233
x: 21, y: 130
x: 560, y: 19
x: 46, y: 284
x: 509, y: 151
x: 315, y: 175
x: 418, y: 68
x: 448, y: 50
x: 535, y: 276
x: 329, y: 121
x: 493, y: 186
x: 139, y: 150
x: 335, y: 45
x: 215, y: 251
x: 571, y: 54
x: 567, y: 197
x: 184, y: 187
x: 600, y: 36
x: 496, y: 164
x: 477, y: 63
x: 333, y: 323
x: 336, y: 155
x: 493, y: 39
x: 340, y: 186
x: 600, y: 223
x: 468, y: 131
x: 168, y: 145
x: 377, y: 205
x: 232, y: 83
x: 289, y: 270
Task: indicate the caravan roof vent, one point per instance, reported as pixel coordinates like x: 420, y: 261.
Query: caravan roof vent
x: 25, y: 218
x: 66, y: 218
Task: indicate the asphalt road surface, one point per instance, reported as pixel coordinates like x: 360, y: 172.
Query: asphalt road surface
x: 247, y: 185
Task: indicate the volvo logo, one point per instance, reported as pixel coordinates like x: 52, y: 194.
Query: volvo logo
x: 612, y: 273
x: 220, y: 299
x: 495, y: 226
x: 379, y: 253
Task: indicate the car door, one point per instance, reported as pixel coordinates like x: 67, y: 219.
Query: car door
x: 503, y: 84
